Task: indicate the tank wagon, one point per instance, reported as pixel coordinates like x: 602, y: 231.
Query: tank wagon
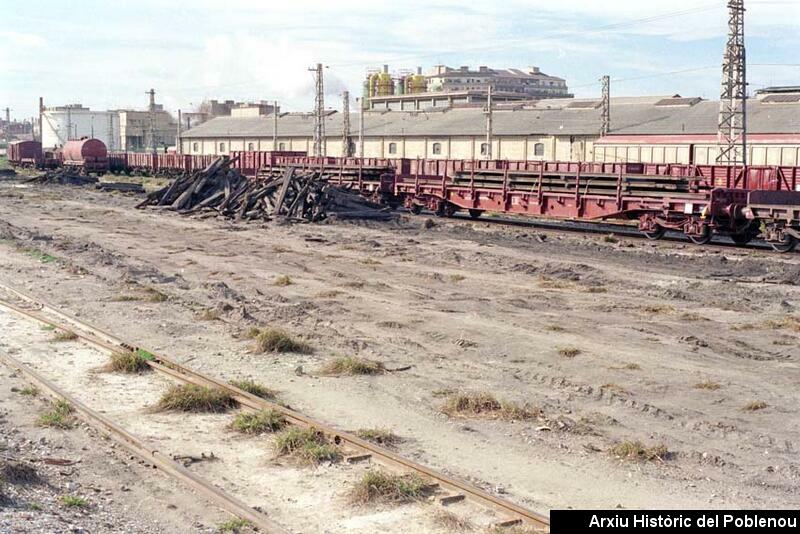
x: 86, y: 155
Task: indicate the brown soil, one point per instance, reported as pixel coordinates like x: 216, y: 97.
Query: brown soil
x: 471, y: 306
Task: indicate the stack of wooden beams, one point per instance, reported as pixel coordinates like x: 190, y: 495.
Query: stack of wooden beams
x: 300, y: 195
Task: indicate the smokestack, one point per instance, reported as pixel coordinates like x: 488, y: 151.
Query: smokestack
x: 386, y: 69
x: 419, y: 70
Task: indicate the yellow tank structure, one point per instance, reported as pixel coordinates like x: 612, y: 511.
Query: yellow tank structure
x: 373, y: 84
x: 385, y: 84
x: 416, y: 84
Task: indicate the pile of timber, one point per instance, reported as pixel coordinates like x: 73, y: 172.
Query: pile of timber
x: 63, y: 176
x: 297, y: 195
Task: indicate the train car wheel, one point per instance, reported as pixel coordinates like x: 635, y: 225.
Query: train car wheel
x: 475, y: 214
x: 416, y: 209
x: 657, y: 234
x: 702, y: 239
x: 744, y: 238
x: 785, y: 246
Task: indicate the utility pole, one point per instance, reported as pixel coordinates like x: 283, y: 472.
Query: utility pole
x: 41, y: 112
x: 361, y: 132
x: 8, y: 124
x: 275, y: 126
x: 178, y: 143
x: 69, y: 122
x: 346, y: 125
x: 489, y: 123
x: 319, y: 113
x: 111, y: 143
x: 732, y: 132
x: 151, y: 144
x: 605, y: 117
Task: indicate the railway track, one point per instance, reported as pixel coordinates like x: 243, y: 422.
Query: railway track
x: 618, y: 229
x: 447, y: 489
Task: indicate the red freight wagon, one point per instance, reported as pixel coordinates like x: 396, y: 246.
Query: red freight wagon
x: 25, y: 153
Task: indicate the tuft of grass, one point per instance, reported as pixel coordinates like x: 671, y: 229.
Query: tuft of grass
x: 610, y: 238
x: 658, y: 309
x: 451, y: 522
x: 127, y: 362
x: 254, y: 388
x: 234, y: 526
x: 693, y: 317
x: 632, y: 367
x: 377, y: 486
x: 197, y: 399
x: 784, y: 323
x: 596, y: 289
x: 252, y: 332
x: 29, y: 391
x: 306, y: 445
x: 381, y: 436
x: 73, y: 501
x: 351, y: 366
x: 370, y: 261
x: 64, y: 335
x: 486, y: 405
x: 209, y: 314
x: 555, y: 328
x: 126, y: 298
x: 283, y: 281
x: 754, y: 406
x: 332, y: 294
x: 709, y: 385
x: 260, y: 422
x: 545, y: 282
x: 41, y: 256
x: 18, y: 473
x: 637, y: 451
x: 274, y: 340
x: 154, y: 295
x: 48, y: 327
x: 59, y: 416
x: 456, y: 278
x: 280, y: 249
x: 568, y: 352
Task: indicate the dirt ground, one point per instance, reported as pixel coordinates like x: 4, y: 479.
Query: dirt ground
x: 610, y: 338
x: 119, y: 492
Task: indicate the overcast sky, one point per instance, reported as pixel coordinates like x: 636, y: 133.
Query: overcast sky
x: 106, y: 54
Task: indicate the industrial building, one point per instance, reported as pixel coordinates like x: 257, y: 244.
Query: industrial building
x: 444, y: 87
x: 664, y: 129
x: 122, y: 129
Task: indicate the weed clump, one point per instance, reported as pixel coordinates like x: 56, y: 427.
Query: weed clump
x: 754, y: 406
x: 381, y: 487
x: 73, y: 501
x: 637, y: 451
x: 568, y: 352
x: 381, y: 436
x: 59, y: 416
x: 127, y: 362
x: 708, y: 385
x: 64, y: 335
x: 283, y: 281
x: 351, y: 366
x: 29, y: 391
x: 274, y: 340
x: 451, y: 522
x: 260, y: 422
x: 154, y: 295
x: 306, y: 445
x: 234, y: 526
x: 255, y: 388
x: 197, y: 399
x: 486, y: 405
